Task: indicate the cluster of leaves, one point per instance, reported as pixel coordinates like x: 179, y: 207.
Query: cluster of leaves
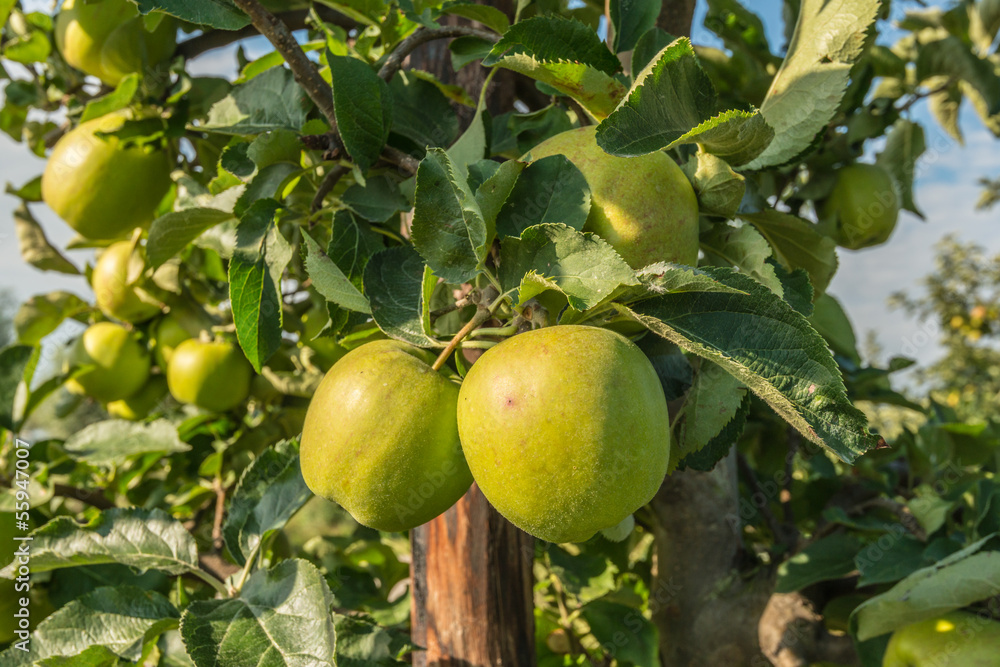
x: 290, y: 224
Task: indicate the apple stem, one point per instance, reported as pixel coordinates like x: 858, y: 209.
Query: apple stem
x: 481, y: 316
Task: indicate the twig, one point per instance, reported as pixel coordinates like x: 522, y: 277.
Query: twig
x: 401, y: 159
x: 934, y: 91
x: 220, y: 512
x: 423, y: 35
x: 295, y: 20
x: 217, y: 566
x: 94, y: 498
x: 326, y: 187
x: 303, y: 69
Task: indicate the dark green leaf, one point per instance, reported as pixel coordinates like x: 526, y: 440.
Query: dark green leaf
x: 255, y: 271
x: 719, y: 446
x: 219, y: 14
x: 624, y: 633
x: 797, y: 245
x: 363, y: 105
x: 904, y: 145
x: 109, y: 443
x: 448, y: 228
x: 394, y: 280
x: 648, y: 47
x: 632, y: 18
x: 363, y: 643
x: 270, y: 491
x: 582, y: 266
x: 672, y: 96
x: 282, y: 617
x: 489, y: 16
x: 421, y: 112
x: 772, y: 349
x: 271, y: 101
x: 171, y: 233
x: 13, y: 361
x: 377, y: 200
x: 120, y: 619
x: 330, y: 281
x: 551, y: 190
x: 492, y: 194
x: 713, y: 401
x: 830, y: 558
x: 140, y: 539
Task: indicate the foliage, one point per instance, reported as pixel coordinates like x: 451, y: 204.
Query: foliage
x: 317, y: 207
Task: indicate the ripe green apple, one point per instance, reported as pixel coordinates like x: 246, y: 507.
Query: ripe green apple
x: 99, y: 188
x: 381, y: 439
x: 119, y: 364
x: 958, y: 639
x: 115, y: 297
x: 643, y: 206
x: 565, y: 430
x: 862, y: 208
x: 108, y: 38
x: 211, y: 375
x: 142, y: 403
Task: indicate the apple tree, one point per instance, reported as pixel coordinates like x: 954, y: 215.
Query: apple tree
x: 535, y: 292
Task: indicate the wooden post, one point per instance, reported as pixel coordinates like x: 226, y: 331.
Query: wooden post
x: 472, y: 589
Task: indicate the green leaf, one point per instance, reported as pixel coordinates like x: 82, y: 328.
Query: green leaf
x: 721, y: 444
x: 806, y: 92
x: 736, y: 136
x: 551, y: 190
x: 954, y: 582
x: 121, y: 619
x: 631, y: 637
x: 363, y: 106
x: 352, y: 244
x: 41, y: 315
x: 35, y: 247
x: 269, y: 183
x: 140, y: 539
x: 720, y: 190
x: 5, y: 8
x: 13, y: 362
x: 564, y: 54
x: 255, y: 271
x: 120, y: 98
x: 270, y: 491
x: 377, y: 200
x: 271, y: 101
x: 330, y: 281
x: 491, y: 17
x: 95, y: 656
x: 582, y: 266
x: 363, y: 643
x: 219, y: 14
x: 669, y: 98
x: 493, y: 193
x: 448, y: 228
x: 797, y: 245
x: 109, y: 443
x: 712, y: 402
x: 772, y: 349
x: 744, y: 248
x: 947, y: 55
x: 394, y: 280
x: 282, y: 617
x: 421, y: 112
x: 171, y: 233
x: 648, y: 47
x: 275, y: 147
x: 830, y: 320
x: 30, y: 191
x: 830, y: 558
x: 904, y: 145
x: 879, y: 565
x: 32, y: 47
x: 631, y: 19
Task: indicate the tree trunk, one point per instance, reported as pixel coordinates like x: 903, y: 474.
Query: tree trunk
x: 471, y: 568
x: 472, y: 579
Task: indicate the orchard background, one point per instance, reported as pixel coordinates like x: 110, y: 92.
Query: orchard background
x: 817, y: 504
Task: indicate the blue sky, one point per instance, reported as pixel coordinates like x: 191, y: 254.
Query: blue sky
x: 947, y: 192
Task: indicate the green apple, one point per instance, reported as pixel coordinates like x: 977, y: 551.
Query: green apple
x: 862, y: 208
x: 958, y: 639
x: 643, y: 206
x: 211, y: 375
x: 565, y: 430
x: 99, y: 188
x: 118, y: 364
x: 142, y: 403
x: 116, y: 298
x: 173, y: 329
x: 108, y: 38
x: 381, y: 440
